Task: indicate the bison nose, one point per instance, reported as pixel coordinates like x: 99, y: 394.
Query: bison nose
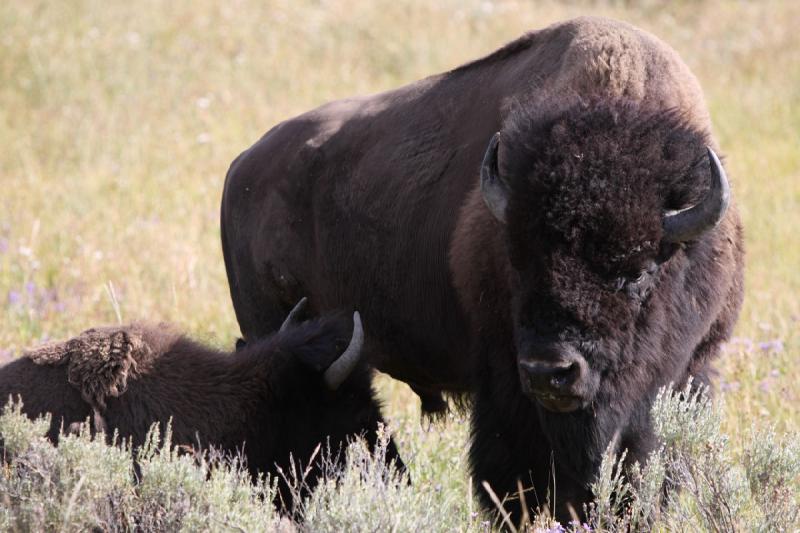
x: 558, y: 383
x: 547, y: 377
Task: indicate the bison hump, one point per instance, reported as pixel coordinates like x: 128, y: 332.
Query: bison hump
x: 99, y: 360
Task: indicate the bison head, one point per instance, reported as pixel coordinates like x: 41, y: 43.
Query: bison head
x: 338, y: 370
x: 599, y: 203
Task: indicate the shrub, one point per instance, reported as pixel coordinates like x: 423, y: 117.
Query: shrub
x: 370, y: 494
x: 720, y: 490
x: 85, y: 484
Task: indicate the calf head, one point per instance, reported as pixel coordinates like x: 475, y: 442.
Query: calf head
x: 321, y: 394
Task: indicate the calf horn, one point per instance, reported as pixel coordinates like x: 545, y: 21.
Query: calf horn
x: 291, y: 318
x: 692, y: 222
x: 345, y: 363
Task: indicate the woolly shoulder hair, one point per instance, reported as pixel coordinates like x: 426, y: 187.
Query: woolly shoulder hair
x: 101, y: 360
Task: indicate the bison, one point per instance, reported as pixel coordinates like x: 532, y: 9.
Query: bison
x: 554, y: 280
x: 279, y: 397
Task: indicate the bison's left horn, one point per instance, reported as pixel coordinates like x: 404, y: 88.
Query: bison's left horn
x: 291, y: 318
x: 344, y: 365
x: 495, y: 191
x: 692, y: 222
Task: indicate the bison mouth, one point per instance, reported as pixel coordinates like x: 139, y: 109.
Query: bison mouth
x: 559, y: 403
x: 554, y: 400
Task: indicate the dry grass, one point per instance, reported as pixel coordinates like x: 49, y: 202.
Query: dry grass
x: 118, y: 121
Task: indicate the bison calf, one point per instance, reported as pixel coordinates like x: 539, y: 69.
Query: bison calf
x: 279, y: 396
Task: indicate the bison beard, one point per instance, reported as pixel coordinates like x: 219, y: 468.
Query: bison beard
x: 594, y: 264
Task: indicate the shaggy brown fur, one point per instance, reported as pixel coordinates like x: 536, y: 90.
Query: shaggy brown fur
x: 267, y: 400
x: 375, y: 203
x: 99, y: 361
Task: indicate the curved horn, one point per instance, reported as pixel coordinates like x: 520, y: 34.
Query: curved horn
x: 495, y: 190
x: 345, y: 363
x: 691, y: 222
x: 291, y: 318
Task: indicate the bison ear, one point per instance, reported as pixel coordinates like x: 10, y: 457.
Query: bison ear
x: 495, y: 191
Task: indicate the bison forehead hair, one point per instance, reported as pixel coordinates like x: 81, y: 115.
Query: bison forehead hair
x: 597, y: 177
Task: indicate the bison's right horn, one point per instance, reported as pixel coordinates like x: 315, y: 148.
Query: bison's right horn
x: 344, y: 365
x: 291, y: 318
x: 495, y: 190
x: 692, y: 222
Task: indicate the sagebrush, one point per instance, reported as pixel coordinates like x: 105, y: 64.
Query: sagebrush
x: 85, y: 483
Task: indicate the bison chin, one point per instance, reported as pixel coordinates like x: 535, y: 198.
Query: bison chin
x: 558, y: 377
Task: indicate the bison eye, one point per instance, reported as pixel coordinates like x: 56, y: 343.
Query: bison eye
x: 629, y: 280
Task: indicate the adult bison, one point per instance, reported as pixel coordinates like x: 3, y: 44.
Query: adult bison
x: 274, y: 400
x: 588, y: 257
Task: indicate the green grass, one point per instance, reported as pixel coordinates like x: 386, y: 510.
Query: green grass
x: 118, y: 121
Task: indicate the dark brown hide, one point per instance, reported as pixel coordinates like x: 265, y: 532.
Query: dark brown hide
x: 374, y: 203
x: 268, y: 399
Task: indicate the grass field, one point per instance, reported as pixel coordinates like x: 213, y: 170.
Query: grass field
x: 118, y: 121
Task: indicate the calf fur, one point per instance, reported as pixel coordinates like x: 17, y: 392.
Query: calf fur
x: 270, y: 400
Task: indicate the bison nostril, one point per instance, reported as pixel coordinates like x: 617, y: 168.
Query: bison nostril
x: 560, y: 378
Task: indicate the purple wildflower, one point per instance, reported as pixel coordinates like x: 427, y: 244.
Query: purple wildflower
x: 14, y: 297
x: 3, y: 246
x: 774, y: 346
x: 30, y: 288
x: 766, y: 384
